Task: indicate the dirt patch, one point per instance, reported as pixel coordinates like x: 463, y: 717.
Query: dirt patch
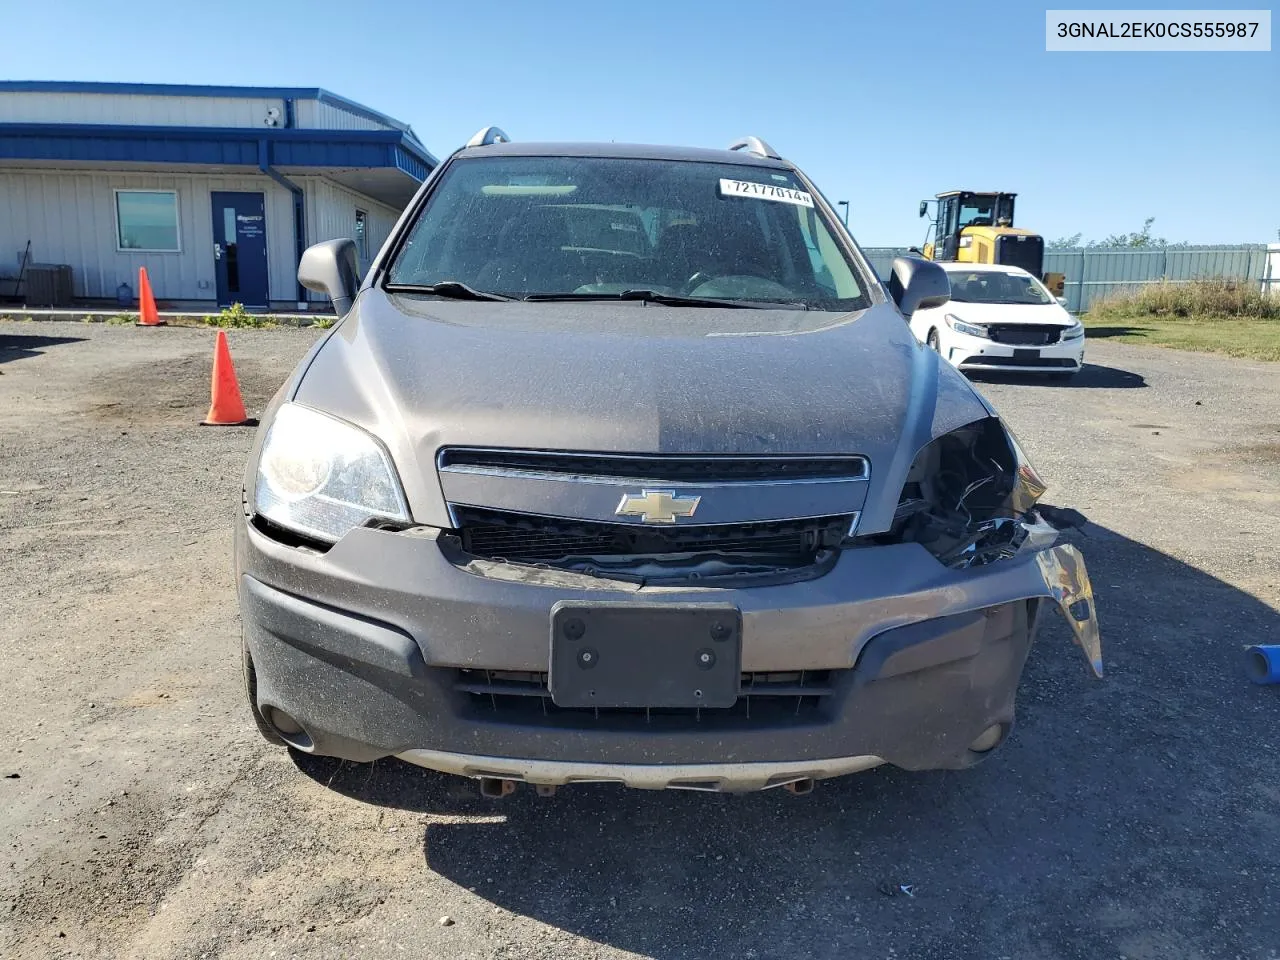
x: 1261, y: 453
x: 105, y: 875
x: 172, y: 392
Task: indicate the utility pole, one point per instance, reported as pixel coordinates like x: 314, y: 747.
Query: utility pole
x: 844, y: 212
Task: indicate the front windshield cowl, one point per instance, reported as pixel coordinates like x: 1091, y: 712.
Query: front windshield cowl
x: 543, y: 227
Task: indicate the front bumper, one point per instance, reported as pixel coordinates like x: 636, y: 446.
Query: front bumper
x: 361, y: 647
x: 976, y: 353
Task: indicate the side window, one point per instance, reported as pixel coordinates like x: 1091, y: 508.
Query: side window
x: 841, y: 273
x: 808, y: 231
x: 831, y: 270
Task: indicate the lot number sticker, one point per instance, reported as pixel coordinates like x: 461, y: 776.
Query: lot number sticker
x: 765, y: 191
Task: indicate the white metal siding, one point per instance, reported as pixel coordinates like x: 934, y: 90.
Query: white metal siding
x: 136, y: 109
x: 69, y: 217
x: 314, y: 115
x: 157, y: 110
x: 331, y: 215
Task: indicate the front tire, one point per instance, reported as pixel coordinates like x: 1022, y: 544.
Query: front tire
x: 251, y: 692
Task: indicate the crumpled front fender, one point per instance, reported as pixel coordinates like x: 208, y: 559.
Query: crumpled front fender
x: 1067, y: 581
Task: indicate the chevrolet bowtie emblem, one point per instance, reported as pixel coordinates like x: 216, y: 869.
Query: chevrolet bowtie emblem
x: 657, y: 506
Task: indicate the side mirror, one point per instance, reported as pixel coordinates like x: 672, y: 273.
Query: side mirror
x: 924, y: 207
x: 916, y: 283
x: 332, y: 268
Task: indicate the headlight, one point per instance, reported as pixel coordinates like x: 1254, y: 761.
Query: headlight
x: 322, y: 477
x: 1073, y: 332
x: 959, y: 326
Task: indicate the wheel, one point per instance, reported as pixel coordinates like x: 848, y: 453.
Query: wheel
x: 933, y: 341
x: 251, y: 692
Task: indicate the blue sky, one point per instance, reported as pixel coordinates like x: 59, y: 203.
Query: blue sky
x: 882, y: 103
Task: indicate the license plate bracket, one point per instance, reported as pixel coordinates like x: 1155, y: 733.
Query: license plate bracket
x: 606, y: 654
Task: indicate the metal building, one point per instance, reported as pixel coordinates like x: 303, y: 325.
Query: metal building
x: 215, y: 190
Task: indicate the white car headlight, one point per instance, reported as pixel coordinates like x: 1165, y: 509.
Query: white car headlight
x: 323, y: 477
x: 1073, y: 332
x: 959, y: 326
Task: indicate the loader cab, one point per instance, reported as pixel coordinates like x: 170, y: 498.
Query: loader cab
x: 972, y: 227
x: 963, y: 209
x: 959, y: 209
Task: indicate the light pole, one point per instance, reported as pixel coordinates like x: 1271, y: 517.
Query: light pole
x: 845, y: 212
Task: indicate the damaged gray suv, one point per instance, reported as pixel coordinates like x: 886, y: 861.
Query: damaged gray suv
x: 622, y: 465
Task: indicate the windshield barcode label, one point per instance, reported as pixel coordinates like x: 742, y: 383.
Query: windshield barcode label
x: 765, y: 191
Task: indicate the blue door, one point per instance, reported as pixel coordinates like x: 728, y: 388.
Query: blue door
x: 240, y: 248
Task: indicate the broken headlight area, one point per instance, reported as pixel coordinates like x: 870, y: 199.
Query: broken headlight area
x: 969, y: 499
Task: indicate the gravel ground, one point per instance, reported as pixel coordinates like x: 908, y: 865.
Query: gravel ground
x: 1133, y: 817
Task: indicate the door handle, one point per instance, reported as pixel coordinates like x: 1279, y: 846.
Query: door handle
x: 217, y: 251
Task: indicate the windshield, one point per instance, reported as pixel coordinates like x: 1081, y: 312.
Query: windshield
x: 986, y: 209
x: 600, y: 226
x: 994, y: 286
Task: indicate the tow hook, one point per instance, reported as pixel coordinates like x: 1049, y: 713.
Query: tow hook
x: 495, y: 788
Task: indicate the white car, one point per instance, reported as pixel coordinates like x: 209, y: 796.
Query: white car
x: 1001, y: 318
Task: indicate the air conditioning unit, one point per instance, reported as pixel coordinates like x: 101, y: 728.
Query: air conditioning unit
x: 48, y: 285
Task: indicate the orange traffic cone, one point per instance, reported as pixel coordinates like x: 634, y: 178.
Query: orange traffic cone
x: 148, y: 316
x: 226, y: 408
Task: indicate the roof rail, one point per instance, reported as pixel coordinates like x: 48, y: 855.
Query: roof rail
x: 486, y: 136
x: 757, y: 146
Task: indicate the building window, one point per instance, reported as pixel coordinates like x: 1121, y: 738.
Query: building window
x: 362, y: 236
x: 147, y: 220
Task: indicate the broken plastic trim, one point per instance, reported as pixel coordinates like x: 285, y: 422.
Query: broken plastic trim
x: 293, y: 538
x: 969, y: 498
x: 1067, y: 580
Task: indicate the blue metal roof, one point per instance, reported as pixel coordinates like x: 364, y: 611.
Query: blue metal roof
x: 206, y: 90
x: 236, y: 146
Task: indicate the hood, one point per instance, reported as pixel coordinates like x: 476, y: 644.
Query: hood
x: 1010, y: 313
x: 630, y: 377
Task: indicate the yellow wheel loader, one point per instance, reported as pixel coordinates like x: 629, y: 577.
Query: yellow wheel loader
x: 971, y: 227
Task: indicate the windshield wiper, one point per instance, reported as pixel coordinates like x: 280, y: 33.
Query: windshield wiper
x: 453, y: 289
x: 666, y: 299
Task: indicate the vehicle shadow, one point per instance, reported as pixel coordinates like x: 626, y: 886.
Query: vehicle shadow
x: 21, y: 346
x: 1102, y: 333
x: 1130, y: 816
x: 1091, y: 375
